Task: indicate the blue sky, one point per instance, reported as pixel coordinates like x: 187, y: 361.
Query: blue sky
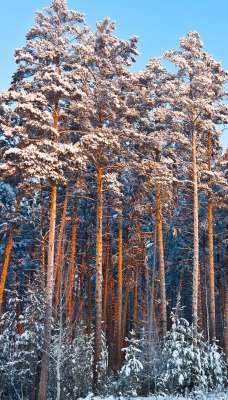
x: 158, y: 23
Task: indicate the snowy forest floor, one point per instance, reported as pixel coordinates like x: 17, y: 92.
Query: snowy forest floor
x: 193, y: 396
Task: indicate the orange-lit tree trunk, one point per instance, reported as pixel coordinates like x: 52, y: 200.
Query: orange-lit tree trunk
x: 42, y: 238
x: 59, y: 256
x: 195, y: 235
x: 210, y: 248
x: 161, y: 260
x: 81, y: 272
x: 50, y: 278
x: 226, y: 302
x: 7, y: 254
x: 128, y: 282
x: 120, y: 288
x: 145, y: 283
x: 70, y: 291
x: 152, y: 303
x: 99, y: 276
x: 110, y: 312
x: 106, y: 274
x: 205, y: 287
x: 127, y: 285
x: 152, y: 312
x: 136, y: 282
x: 49, y: 296
x: 115, y: 321
x: 57, y: 271
x: 89, y: 294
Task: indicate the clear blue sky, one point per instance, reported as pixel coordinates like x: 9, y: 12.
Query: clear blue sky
x: 158, y: 23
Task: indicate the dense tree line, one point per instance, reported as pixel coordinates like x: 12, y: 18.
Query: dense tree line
x: 113, y: 224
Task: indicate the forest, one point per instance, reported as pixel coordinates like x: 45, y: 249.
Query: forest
x: 113, y: 216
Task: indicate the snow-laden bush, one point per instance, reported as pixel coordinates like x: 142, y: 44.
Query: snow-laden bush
x: 130, y: 373
x: 21, y: 339
x: 71, y: 363
x: 188, y: 362
x: 217, y: 367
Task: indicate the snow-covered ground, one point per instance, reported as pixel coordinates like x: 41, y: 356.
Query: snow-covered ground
x: 194, y: 396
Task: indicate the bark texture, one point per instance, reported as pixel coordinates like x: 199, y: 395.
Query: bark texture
x: 195, y: 236
x: 49, y: 297
x: 99, y: 278
x: 161, y: 260
x: 211, y: 249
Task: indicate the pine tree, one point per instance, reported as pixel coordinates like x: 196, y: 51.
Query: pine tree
x: 200, y: 106
x: 105, y: 126
x: 41, y: 89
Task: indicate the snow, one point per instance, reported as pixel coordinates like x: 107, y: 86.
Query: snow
x: 196, y: 396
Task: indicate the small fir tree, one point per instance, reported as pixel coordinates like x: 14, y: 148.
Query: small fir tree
x: 189, y: 363
x: 131, y: 370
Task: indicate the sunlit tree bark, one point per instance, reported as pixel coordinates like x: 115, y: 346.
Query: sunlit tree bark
x: 7, y: 253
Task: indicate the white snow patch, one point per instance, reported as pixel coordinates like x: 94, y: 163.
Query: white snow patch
x: 197, y: 395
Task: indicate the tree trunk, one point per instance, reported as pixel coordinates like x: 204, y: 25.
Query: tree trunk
x: 152, y: 318
x: 135, y: 302
x: 126, y: 302
x: 42, y: 239
x: 19, y: 312
x: 205, y: 294
x: 99, y: 278
x: 59, y: 256
x: 50, y: 270
x: 59, y: 348
x: 49, y: 297
x: 128, y: 281
x: 106, y: 274
x: 120, y: 289
x: 7, y: 254
x: 200, y: 305
x: 110, y: 311
x: 81, y: 273
x: 115, y: 330
x: 210, y: 248
x: 145, y: 285
x: 195, y: 236
x: 226, y: 302
x: 70, y: 293
x: 89, y: 294
x: 161, y: 260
